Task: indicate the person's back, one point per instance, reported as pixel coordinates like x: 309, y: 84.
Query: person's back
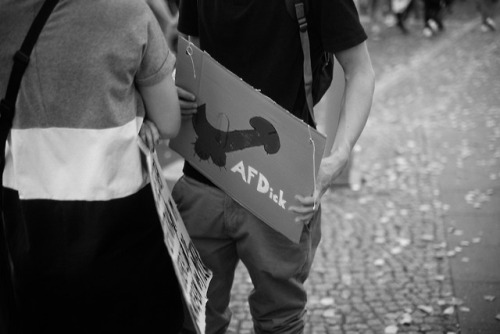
x: 83, y: 232
x: 82, y: 78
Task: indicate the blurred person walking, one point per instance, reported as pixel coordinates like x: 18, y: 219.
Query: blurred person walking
x: 433, y: 17
x: 487, y: 10
x: 83, y: 248
x: 402, y: 9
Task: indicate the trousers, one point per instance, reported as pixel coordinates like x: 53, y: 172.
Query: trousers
x: 224, y: 233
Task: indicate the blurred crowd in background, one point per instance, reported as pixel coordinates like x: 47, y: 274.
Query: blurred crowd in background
x: 431, y: 13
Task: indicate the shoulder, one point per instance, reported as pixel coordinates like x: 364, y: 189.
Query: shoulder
x: 131, y: 19
x: 128, y: 10
x: 334, y: 8
x: 339, y: 24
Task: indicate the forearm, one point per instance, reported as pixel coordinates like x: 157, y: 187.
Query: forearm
x: 357, y: 100
x: 359, y: 88
x: 358, y: 95
x: 162, y: 106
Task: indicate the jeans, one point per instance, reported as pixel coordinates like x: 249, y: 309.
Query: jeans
x: 224, y: 232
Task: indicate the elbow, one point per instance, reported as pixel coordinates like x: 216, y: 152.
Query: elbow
x: 175, y: 131
x: 171, y: 129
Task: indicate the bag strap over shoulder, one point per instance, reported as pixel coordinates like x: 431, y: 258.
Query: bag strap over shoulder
x: 290, y: 6
x: 298, y: 10
x: 8, y: 308
x: 21, y: 61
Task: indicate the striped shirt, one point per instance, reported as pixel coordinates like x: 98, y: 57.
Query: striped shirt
x: 78, y: 111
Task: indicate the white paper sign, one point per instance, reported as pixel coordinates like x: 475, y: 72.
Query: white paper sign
x: 192, y: 274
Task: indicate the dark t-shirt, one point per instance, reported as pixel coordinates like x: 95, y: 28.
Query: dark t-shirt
x: 259, y: 41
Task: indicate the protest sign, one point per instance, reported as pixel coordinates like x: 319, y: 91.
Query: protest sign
x: 245, y: 143
x: 191, y: 273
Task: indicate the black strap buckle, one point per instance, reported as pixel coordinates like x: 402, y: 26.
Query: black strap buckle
x: 303, y: 24
x: 300, y: 12
x: 22, y: 58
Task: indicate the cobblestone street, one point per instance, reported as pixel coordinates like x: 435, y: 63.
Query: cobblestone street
x: 392, y: 250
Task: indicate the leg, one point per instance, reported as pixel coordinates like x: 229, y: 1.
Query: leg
x: 439, y: 15
x: 486, y: 9
x: 432, y: 21
x: 400, y: 19
x: 202, y: 210
x: 278, y: 268
x: 427, y: 17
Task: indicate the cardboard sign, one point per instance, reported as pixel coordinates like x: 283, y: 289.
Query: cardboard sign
x: 192, y: 274
x: 253, y: 149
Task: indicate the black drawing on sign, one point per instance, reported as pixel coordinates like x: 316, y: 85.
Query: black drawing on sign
x: 213, y: 143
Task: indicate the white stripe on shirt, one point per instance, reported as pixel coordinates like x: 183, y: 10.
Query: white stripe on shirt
x: 75, y: 164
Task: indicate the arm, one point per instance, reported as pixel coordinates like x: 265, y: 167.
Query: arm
x: 185, y: 101
x: 168, y: 23
x: 359, y: 88
x: 162, y: 108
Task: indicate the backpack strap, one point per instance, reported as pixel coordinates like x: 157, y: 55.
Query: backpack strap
x: 290, y: 7
x: 298, y: 9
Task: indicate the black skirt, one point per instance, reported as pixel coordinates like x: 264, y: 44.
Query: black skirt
x: 91, y: 267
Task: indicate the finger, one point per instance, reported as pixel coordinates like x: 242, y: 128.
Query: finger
x: 188, y: 106
x: 142, y: 132
x: 187, y: 101
x: 149, y: 141
x: 306, y: 210
x: 302, y: 210
x: 304, y: 218
x: 188, y: 112
x: 151, y: 130
x: 185, y: 95
x: 306, y: 201
x: 147, y: 135
x: 143, y: 138
x: 155, y: 134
